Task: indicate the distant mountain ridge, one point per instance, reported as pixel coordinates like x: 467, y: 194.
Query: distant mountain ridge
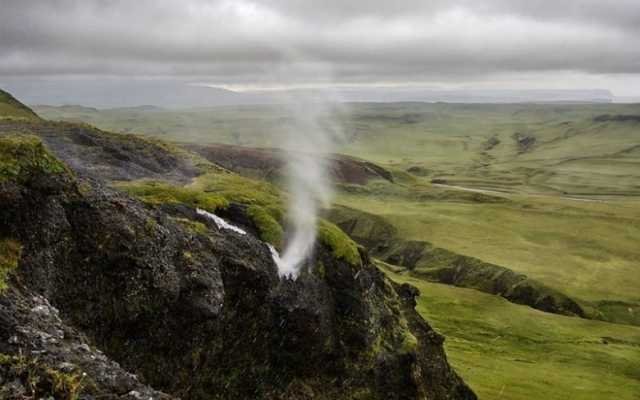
x: 178, y: 94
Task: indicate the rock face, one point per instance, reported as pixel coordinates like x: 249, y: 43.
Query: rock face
x: 128, y: 301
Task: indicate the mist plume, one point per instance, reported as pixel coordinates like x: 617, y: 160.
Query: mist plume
x: 310, y: 137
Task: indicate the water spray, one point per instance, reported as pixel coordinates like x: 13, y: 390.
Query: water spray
x: 310, y: 139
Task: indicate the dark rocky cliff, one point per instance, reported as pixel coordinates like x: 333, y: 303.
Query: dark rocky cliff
x: 106, y: 297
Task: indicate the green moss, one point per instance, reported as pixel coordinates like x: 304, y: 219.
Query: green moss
x: 9, y: 255
x: 341, y: 245
x: 155, y: 192
x: 409, y: 341
x: 42, y: 381
x: 22, y: 156
x: 270, y: 230
x: 193, y: 226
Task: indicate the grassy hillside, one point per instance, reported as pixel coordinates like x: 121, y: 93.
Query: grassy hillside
x: 587, y: 250
x: 12, y: 108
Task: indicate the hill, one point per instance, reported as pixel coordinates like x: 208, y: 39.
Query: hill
x: 12, y: 108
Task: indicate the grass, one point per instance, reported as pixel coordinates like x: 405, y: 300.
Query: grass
x: 239, y: 189
x: 512, y: 352
x: 41, y: 381
x: 586, y: 249
x: 158, y: 192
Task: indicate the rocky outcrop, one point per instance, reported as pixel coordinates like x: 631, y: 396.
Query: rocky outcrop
x: 105, y: 284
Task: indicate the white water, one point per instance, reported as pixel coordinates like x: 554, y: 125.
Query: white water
x: 275, y: 256
x: 221, y: 223
x: 311, y: 135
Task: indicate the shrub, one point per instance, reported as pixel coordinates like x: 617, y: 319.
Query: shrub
x: 22, y: 156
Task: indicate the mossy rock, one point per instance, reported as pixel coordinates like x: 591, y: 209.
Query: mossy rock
x: 24, y: 156
x: 341, y: 245
x: 157, y: 192
x: 192, y: 226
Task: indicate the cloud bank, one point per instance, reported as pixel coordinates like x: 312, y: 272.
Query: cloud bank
x: 382, y: 42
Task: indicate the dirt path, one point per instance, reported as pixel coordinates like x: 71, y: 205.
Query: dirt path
x: 501, y: 193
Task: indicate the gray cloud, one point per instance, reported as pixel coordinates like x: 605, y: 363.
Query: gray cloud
x: 362, y: 41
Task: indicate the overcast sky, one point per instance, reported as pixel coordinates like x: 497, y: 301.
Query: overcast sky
x: 244, y: 44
